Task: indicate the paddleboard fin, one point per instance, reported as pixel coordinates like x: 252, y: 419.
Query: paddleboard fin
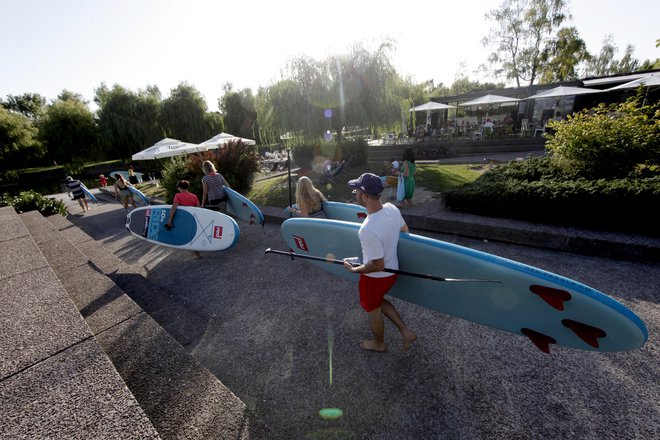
x: 587, y: 333
x: 541, y: 341
x: 554, y: 297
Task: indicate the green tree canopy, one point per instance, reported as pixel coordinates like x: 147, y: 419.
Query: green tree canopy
x: 183, y: 115
x: 31, y: 105
x: 128, y: 121
x: 69, y: 132
x: 522, y: 37
x: 239, y: 112
x: 18, y: 140
x: 567, y: 52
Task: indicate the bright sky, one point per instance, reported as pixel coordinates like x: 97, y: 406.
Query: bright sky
x: 51, y: 45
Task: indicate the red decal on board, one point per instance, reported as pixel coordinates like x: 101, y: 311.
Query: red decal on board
x: 587, y: 333
x: 361, y: 215
x: 554, y: 297
x: 300, y: 243
x: 539, y: 339
x: 217, y: 232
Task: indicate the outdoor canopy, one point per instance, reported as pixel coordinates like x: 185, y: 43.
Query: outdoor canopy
x: 221, y: 139
x: 647, y: 81
x: 560, y: 91
x: 166, y: 148
x: 430, y: 106
x: 489, y: 99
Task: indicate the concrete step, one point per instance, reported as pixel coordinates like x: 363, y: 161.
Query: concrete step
x: 56, y: 381
x: 179, y: 395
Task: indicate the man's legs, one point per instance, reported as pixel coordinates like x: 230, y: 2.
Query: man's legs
x: 390, y: 311
x: 378, y: 329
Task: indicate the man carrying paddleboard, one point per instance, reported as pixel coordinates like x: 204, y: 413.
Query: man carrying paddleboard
x: 379, y: 236
x: 78, y: 194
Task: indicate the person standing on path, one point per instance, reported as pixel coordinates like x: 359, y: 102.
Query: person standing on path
x: 122, y: 192
x: 77, y: 192
x: 408, y: 170
x: 213, y: 183
x: 182, y: 198
x: 379, y: 237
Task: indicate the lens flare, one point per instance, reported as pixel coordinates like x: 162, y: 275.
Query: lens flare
x: 331, y: 413
x: 331, y: 343
x: 327, y: 113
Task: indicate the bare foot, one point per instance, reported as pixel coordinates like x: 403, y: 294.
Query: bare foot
x: 373, y: 346
x: 408, y: 338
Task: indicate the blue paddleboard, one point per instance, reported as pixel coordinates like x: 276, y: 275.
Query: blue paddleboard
x: 139, y: 195
x: 348, y: 212
x: 545, y: 307
x: 195, y: 229
x: 88, y: 194
x: 125, y: 175
x: 243, y: 208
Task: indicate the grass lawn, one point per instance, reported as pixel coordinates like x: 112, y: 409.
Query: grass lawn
x: 434, y: 177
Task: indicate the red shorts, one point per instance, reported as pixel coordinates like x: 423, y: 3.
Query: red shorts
x: 373, y: 290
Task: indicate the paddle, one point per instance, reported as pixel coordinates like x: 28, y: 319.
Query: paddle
x: 398, y: 272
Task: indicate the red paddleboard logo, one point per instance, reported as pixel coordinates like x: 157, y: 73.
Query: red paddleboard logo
x: 217, y: 232
x: 300, y: 243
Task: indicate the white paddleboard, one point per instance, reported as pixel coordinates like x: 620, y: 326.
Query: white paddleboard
x: 195, y: 229
x: 545, y: 307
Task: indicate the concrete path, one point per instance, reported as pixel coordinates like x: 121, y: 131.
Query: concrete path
x: 264, y: 326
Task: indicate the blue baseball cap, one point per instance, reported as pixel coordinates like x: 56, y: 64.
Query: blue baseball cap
x: 368, y: 183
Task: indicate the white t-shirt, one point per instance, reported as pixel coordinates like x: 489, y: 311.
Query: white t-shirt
x: 379, y: 236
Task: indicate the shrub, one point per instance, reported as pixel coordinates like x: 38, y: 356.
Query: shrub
x: 615, y: 204
x: 356, y: 151
x: 33, y: 201
x: 174, y: 170
x: 608, y: 141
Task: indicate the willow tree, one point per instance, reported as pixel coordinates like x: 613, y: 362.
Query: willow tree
x: 183, y: 115
x: 315, y: 97
x: 128, y: 121
x: 238, y: 111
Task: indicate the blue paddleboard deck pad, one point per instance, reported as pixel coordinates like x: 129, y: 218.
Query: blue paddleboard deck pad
x: 243, y: 208
x: 195, y: 229
x: 545, y: 307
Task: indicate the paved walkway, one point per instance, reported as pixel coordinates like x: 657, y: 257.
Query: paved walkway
x: 264, y: 327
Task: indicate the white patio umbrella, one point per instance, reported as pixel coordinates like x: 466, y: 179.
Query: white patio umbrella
x: 489, y: 99
x: 647, y: 81
x: 221, y: 139
x: 167, y: 148
x: 560, y: 91
x: 430, y: 107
